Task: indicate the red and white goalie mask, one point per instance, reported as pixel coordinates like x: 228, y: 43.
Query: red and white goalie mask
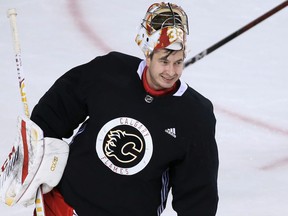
x: 165, y: 25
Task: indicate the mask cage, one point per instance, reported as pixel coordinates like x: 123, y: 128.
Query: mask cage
x: 161, y: 15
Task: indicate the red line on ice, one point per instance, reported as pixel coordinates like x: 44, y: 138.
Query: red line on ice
x: 79, y: 19
x: 276, y: 164
x: 253, y: 121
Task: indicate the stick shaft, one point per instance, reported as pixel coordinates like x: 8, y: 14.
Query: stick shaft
x: 235, y: 34
x: 39, y: 202
x: 20, y: 73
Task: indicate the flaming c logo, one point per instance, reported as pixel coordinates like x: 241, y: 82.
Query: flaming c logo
x: 124, y: 145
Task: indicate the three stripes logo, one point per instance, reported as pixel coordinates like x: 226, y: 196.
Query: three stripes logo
x: 171, y: 131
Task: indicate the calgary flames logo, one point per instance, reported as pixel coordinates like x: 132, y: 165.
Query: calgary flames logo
x: 124, y: 145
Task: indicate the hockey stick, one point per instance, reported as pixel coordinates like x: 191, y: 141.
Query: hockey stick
x: 235, y: 34
x: 21, y: 78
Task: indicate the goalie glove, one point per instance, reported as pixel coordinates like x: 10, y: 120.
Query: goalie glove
x: 33, y: 162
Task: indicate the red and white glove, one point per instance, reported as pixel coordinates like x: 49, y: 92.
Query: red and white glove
x: 33, y: 162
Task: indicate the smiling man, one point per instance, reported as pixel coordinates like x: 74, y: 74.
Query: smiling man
x: 164, y: 69
x: 143, y: 130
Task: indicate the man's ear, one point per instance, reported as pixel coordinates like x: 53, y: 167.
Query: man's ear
x: 148, y: 61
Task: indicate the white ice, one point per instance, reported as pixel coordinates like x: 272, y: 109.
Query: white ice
x: 246, y: 79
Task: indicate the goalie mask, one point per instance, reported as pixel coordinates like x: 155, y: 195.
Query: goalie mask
x: 165, y: 25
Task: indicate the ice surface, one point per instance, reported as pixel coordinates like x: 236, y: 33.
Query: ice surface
x: 246, y: 79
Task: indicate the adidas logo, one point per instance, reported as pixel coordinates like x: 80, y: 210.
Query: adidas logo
x: 171, y: 131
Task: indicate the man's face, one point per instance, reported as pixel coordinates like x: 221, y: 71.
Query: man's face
x: 164, y: 69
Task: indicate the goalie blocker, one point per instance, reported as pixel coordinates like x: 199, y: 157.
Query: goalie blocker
x: 33, y: 162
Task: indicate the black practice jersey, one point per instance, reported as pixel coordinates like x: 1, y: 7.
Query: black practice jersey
x: 131, y: 147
